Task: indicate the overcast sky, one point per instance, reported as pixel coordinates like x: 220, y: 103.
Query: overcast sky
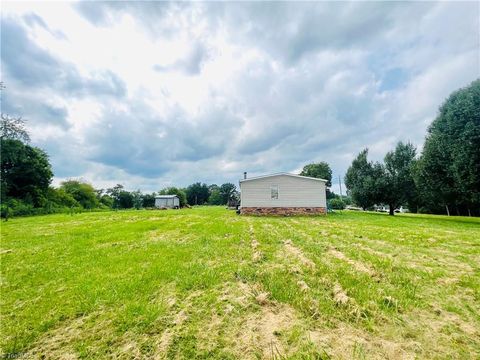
x: 157, y: 94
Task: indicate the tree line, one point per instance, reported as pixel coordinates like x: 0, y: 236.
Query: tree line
x: 26, y: 176
x: 443, y: 179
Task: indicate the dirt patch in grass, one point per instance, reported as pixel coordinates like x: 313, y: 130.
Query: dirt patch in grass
x: 59, y: 342
x: 257, y: 255
x: 372, y: 251
x: 237, y: 294
x: 261, y: 333
x: 440, y: 319
x: 441, y: 331
x: 358, y: 266
x: 339, y: 295
x: 165, y: 236
x: 303, y: 286
x: 294, y: 251
x: 345, y: 342
x: 258, y: 332
x: 175, y: 323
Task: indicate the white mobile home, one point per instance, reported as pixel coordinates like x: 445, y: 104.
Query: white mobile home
x: 167, y: 201
x: 283, y: 194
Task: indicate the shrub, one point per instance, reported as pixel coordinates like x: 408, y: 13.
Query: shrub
x: 337, y: 204
x: 82, y: 192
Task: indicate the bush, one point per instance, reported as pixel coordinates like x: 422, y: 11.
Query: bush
x: 337, y: 204
x: 82, y: 192
x: 215, y: 198
x: 60, y: 198
x: 15, y: 207
x: 106, y: 201
x: 148, y: 200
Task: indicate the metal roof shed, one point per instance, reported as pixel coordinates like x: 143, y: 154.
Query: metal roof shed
x: 167, y: 201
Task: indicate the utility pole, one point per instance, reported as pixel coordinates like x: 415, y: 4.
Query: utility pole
x: 340, y: 183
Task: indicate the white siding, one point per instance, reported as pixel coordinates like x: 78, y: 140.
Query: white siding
x: 292, y: 192
x: 161, y: 202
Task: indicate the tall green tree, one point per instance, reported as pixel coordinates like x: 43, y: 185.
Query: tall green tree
x: 25, y: 172
x: 215, y: 197
x: 397, y: 186
x: 319, y: 170
x: 448, y: 172
x: 114, y: 193
x: 125, y: 200
x: 137, y: 199
x: 197, y: 194
x: 227, y: 192
x: 363, y: 180
x: 148, y: 200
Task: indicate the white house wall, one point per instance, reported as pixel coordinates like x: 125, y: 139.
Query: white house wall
x: 292, y: 192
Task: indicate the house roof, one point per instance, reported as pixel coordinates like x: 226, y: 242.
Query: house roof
x: 166, y: 196
x: 280, y: 174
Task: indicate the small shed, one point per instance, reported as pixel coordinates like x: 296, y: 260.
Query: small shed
x: 167, y: 201
x: 283, y: 194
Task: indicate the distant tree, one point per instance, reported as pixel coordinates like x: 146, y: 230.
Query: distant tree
x: 60, y: 198
x: 234, y: 199
x: 448, y: 171
x: 137, y: 199
x: 362, y: 180
x: 148, y: 200
x: 227, y: 192
x: 114, y: 193
x: 175, y: 191
x: 125, y: 200
x: 398, y: 187
x: 82, y: 192
x: 197, y: 194
x: 347, y: 200
x: 213, y: 187
x: 106, y: 200
x: 25, y: 172
x: 319, y: 170
x: 13, y: 128
x: 99, y: 193
x: 215, y: 197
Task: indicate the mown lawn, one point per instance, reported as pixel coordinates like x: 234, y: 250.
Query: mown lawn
x: 207, y: 283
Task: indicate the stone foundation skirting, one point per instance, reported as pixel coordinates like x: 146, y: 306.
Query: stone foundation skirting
x: 285, y: 211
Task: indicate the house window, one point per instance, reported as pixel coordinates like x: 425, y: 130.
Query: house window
x: 274, y: 192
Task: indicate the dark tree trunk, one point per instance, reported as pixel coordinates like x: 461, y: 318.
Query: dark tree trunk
x: 391, y: 210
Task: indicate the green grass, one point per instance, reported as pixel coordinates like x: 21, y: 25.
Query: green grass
x: 207, y: 283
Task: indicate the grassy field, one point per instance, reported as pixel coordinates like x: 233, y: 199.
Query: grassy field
x: 207, y: 283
